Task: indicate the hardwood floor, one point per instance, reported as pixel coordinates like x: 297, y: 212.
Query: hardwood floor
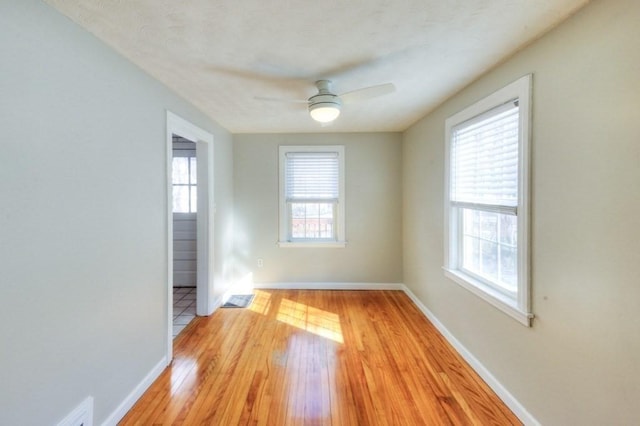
x: 318, y: 358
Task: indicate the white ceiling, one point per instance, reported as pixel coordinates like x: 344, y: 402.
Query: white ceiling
x: 220, y: 54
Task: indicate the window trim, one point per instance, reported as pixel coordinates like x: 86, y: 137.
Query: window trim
x: 284, y: 216
x: 519, y: 307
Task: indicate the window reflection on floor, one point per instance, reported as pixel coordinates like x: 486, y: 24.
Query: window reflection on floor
x: 261, y: 302
x: 317, y: 321
x: 313, y: 320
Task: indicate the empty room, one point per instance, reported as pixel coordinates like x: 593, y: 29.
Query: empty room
x: 332, y: 213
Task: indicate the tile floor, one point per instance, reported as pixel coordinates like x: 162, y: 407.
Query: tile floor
x: 184, y: 308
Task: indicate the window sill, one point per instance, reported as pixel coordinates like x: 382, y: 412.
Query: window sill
x: 493, y: 297
x: 312, y: 244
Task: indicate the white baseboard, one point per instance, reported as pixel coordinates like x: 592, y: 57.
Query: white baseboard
x: 328, y: 286
x: 509, y: 400
x: 135, y: 394
x: 215, y: 304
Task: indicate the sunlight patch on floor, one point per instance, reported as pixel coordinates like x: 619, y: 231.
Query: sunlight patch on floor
x: 313, y: 320
x: 261, y: 302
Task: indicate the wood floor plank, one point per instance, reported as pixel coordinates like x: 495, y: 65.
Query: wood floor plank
x: 318, y: 358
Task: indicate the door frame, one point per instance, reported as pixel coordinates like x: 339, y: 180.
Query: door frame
x: 176, y: 125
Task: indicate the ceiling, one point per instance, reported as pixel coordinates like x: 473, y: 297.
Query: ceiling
x: 221, y: 54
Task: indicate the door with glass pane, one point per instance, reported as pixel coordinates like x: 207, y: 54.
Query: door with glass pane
x: 185, y: 204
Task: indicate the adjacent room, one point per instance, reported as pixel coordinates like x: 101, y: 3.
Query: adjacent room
x: 434, y: 205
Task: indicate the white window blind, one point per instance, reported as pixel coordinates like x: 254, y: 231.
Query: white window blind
x: 484, y: 160
x: 312, y: 176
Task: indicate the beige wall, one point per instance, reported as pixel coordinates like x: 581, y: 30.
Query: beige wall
x: 579, y: 363
x: 373, y: 211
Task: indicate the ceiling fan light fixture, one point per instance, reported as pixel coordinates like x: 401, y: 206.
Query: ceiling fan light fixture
x: 325, y: 106
x: 324, y: 112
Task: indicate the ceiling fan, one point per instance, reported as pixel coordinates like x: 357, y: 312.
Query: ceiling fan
x: 325, y: 106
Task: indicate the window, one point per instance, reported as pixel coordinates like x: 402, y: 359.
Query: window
x: 312, y: 196
x: 184, y: 172
x: 486, y: 199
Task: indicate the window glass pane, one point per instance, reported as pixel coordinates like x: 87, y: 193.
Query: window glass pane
x: 508, y: 230
x: 180, y: 199
x: 488, y: 226
x: 471, y: 253
x: 298, y: 220
x: 325, y: 219
x: 509, y: 268
x: 312, y: 220
x: 311, y: 224
x: 489, y: 260
x: 489, y: 247
x: 194, y: 198
x: 180, y: 170
x: 193, y: 170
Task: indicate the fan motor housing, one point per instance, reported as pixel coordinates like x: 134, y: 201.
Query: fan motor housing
x: 327, y: 100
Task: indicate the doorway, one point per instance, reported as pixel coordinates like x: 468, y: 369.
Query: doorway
x: 200, y: 204
x: 184, y: 177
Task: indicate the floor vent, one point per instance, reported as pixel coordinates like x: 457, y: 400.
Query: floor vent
x: 82, y: 415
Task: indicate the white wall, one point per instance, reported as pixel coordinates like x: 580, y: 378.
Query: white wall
x: 373, y: 211
x: 578, y: 364
x: 83, y: 253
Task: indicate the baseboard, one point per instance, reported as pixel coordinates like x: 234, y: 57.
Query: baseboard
x: 509, y: 400
x: 216, y: 304
x: 328, y: 286
x: 135, y: 394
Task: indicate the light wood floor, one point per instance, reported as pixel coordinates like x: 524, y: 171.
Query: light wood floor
x: 318, y: 358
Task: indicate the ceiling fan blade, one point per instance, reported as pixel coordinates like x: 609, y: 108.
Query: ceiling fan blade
x: 268, y: 99
x: 368, y: 93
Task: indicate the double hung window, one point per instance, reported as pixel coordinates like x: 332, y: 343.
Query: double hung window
x: 312, y: 195
x: 486, y: 203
